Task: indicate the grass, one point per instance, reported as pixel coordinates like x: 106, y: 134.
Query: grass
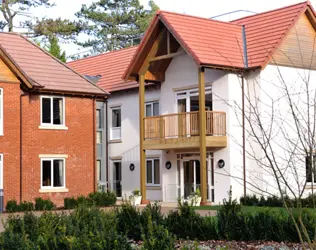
x: 252, y: 209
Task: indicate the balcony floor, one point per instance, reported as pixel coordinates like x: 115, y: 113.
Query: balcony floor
x: 213, y: 143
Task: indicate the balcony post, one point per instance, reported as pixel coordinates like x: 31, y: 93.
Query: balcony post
x: 142, y: 157
x: 202, y: 126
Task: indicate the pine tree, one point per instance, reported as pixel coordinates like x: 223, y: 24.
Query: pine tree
x: 54, y: 49
x: 115, y: 24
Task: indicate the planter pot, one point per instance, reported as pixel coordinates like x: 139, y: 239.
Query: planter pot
x: 136, y: 200
x: 192, y: 201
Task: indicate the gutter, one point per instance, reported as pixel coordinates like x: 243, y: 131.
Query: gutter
x: 245, y: 55
x: 21, y: 145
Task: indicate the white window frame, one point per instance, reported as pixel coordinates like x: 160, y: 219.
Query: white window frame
x: 153, y: 172
x: 152, y: 107
x: 115, y: 130
x: 1, y: 112
x: 1, y: 170
x: 51, y: 125
x: 52, y: 173
x: 313, y: 182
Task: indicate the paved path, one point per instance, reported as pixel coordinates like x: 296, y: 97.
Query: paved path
x: 164, y: 210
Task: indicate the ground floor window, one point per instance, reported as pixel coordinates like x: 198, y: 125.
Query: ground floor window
x: 99, y: 173
x: 153, y: 172
x: 311, y: 169
x: 1, y: 171
x: 53, y: 173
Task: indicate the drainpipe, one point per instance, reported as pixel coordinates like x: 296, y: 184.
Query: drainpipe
x: 105, y: 120
x: 244, y: 39
x: 21, y: 146
x: 94, y: 145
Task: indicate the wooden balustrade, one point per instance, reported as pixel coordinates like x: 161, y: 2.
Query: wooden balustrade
x: 184, y: 125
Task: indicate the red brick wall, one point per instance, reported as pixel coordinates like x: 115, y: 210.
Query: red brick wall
x: 77, y: 142
x: 10, y: 141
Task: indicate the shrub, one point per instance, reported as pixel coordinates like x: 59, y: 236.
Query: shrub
x: 129, y: 221
x: 26, y: 206
x: 103, y: 199
x: 70, y: 203
x: 156, y: 236
x: 42, y: 204
x: 12, y: 206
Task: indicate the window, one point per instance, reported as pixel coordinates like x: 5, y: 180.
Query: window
x: 310, y: 169
x: 99, y: 137
x: 1, y: 111
x: 99, y: 170
x: 98, y: 118
x: 1, y: 171
x: 117, y: 178
x: 153, y: 172
x: 116, y: 124
x: 53, y: 173
x: 152, y: 109
x: 53, y: 111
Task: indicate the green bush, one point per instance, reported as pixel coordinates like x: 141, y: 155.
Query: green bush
x: 12, y: 206
x: 103, y: 199
x: 70, y: 203
x: 157, y: 236
x: 26, y: 206
x: 43, y: 205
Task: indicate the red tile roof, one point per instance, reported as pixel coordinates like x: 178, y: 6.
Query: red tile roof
x: 208, y: 41
x: 110, y: 66
x: 266, y: 30
x: 41, y: 69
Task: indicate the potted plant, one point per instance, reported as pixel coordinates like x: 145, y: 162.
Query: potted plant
x: 136, y: 198
x: 195, y: 198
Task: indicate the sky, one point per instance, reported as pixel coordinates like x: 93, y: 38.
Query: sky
x: 203, y: 8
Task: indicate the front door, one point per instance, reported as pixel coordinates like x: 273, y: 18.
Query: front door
x: 191, y: 177
x: 117, y: 178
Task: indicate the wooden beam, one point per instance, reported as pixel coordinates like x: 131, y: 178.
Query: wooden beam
x: 142, y: 156
x: 202, y: 121
x: 153, y: 51
x: 168, y: 56
x: 168, y: 43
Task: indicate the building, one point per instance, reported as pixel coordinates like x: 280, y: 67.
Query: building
x: 47, y: 125
x: 193, y: 76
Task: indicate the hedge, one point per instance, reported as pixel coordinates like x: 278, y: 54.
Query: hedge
x: 92, y: 228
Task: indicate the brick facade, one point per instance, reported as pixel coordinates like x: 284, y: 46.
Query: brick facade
x: 77, y: 142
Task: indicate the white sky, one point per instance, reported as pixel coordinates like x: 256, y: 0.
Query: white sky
x: 204, y: 8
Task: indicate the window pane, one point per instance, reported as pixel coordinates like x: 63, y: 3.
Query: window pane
x: 99, y: 137
x: 148, y: 110
x: 46, y: 112
x: 46, y: 174
x: 156, y: 172
x: 58, y: 173
x: 156, y: 108
x: 98, y: 118
x: 117, y: 171
x: 99, y: 170
x: 149, y: 172
x: 309, y: 176
x: 57, y: 111
x: 116, y: 118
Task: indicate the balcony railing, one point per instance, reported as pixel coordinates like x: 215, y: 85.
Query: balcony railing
x: 184, y: 125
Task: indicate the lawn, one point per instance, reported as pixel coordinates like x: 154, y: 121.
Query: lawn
x: 252, y: 209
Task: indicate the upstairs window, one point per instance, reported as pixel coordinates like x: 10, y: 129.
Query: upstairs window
x: 52, y: 111
x: 116, y: 124
x: 152, y: 109
x: 1, y: 111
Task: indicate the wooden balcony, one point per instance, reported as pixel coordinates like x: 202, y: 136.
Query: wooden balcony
x: 181, y: 131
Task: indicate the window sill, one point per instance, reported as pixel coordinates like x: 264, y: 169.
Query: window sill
x: 115, y: 141
x: 309, y: 186
x: 153, y: 187
x: 53, y: 127
x: 53, y: 190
